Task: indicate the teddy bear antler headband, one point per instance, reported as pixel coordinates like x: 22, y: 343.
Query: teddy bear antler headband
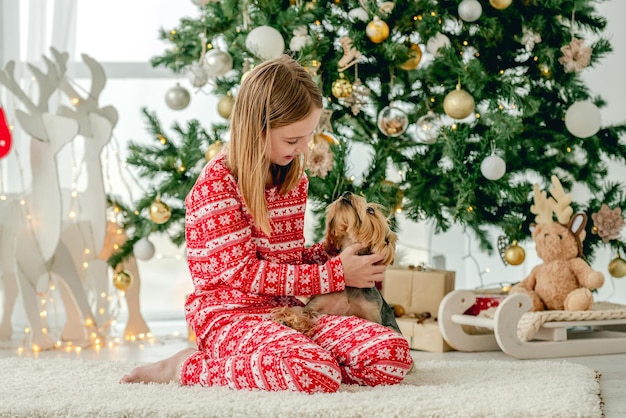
x: 559, y: 203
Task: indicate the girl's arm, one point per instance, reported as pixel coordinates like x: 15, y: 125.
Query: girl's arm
x: 221, y: 250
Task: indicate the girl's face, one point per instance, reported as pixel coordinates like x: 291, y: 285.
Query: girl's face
x: 288, y: 141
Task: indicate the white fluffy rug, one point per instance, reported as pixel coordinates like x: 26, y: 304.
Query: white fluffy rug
x: 65, y: 387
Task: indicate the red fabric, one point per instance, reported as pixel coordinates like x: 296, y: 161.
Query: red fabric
x: 251, y: 352
x: 240, y: 275
x: 484, y: 302
x: 5, y: 135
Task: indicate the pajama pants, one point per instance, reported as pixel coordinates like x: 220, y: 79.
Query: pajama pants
x: 254, y: 352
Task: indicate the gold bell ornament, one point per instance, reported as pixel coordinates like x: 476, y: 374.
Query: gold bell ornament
x: 160, y: 212
x: 122, y: 280
x: 458, y: 104
x: 377, y: 30
x: 514, y: 255
x: 213, y: 149
x: 617, y: 267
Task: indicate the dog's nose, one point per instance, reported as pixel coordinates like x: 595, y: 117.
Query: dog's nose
x: 346, y: 194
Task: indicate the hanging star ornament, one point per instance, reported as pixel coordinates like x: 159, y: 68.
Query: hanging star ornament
x: 324, y: 124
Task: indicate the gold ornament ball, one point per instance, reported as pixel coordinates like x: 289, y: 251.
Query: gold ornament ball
x: 341, y: 88
x: 122, y: 280
x: 377, y: 30
x: 458, y: 104
x: 225, y: 106
x: 160, y: 212
x: 415, y: 56
x: 500, y: 4
x: 514, y: 255
x: 617, y: 267
x: 213, y: 149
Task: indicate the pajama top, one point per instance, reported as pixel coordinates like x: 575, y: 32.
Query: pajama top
x: 234, y: 265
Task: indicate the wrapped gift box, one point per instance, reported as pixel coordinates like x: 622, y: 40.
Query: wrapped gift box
x: 424, y: 335
x: 417, y: 292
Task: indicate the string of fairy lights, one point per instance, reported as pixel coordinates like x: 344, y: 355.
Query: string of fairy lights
x: 108, y: 304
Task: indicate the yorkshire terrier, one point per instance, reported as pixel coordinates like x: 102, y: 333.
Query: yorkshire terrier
x: 350, y: 219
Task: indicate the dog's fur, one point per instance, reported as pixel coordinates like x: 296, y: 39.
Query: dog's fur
x: 349, y: 219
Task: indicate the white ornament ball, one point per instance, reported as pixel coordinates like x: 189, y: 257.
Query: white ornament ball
x: 358, y: 14
x: 583, y: 119
x: 143, y: 249
x: 265, y: 42
x: 197, y: 75
x: 217, y: 63
x: 493, y: 167
x: 299, y: 42
x: 437, y: 42
x: 177, y: 97
x: 470, y: 10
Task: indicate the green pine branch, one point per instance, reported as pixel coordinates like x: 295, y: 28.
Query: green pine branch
x: 521, y: 95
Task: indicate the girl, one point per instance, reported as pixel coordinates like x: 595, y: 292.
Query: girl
x: 246, y: 256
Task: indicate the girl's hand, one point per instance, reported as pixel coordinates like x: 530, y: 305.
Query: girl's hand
x: 361, y: 270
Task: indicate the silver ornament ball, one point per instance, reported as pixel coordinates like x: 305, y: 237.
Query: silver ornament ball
x: 217, y: 63
x: 143, y: 249
x: 177, y: 97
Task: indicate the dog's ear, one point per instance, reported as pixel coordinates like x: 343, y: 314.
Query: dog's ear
x: 391, y: 238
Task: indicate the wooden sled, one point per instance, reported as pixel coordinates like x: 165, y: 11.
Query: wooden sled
x: 552, y: 339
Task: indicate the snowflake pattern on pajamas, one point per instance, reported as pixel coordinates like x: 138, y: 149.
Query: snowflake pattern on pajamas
x: 240, y: 275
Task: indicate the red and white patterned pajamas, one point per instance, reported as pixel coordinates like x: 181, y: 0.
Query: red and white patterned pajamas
x: 240, y: 275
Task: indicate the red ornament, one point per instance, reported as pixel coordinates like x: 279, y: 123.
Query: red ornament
x: 5, y: 135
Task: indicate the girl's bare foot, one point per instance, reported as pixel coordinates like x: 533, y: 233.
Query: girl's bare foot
x: 164, y: 371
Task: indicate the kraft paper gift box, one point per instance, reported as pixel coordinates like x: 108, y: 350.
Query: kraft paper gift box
x: 424, y: 336
x: 418, y: 291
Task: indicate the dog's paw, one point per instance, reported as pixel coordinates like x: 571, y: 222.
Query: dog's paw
x: 296, y: 317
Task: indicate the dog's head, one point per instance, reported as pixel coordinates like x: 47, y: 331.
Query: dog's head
x: 351, y: 219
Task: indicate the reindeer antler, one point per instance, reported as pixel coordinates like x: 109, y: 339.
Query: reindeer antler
x: 31, y: 121
x: 541, y: 208
x: 560, y: 201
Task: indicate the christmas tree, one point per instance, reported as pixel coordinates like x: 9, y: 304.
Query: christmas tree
x: 460, y: 106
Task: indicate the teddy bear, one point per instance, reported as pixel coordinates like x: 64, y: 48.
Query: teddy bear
x: 564, y: 281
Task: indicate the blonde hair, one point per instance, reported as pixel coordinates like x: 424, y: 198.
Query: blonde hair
x: 276, y: 93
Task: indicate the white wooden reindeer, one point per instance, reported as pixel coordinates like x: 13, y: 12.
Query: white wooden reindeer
x: 36, y: 248
x: 96, y: 126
